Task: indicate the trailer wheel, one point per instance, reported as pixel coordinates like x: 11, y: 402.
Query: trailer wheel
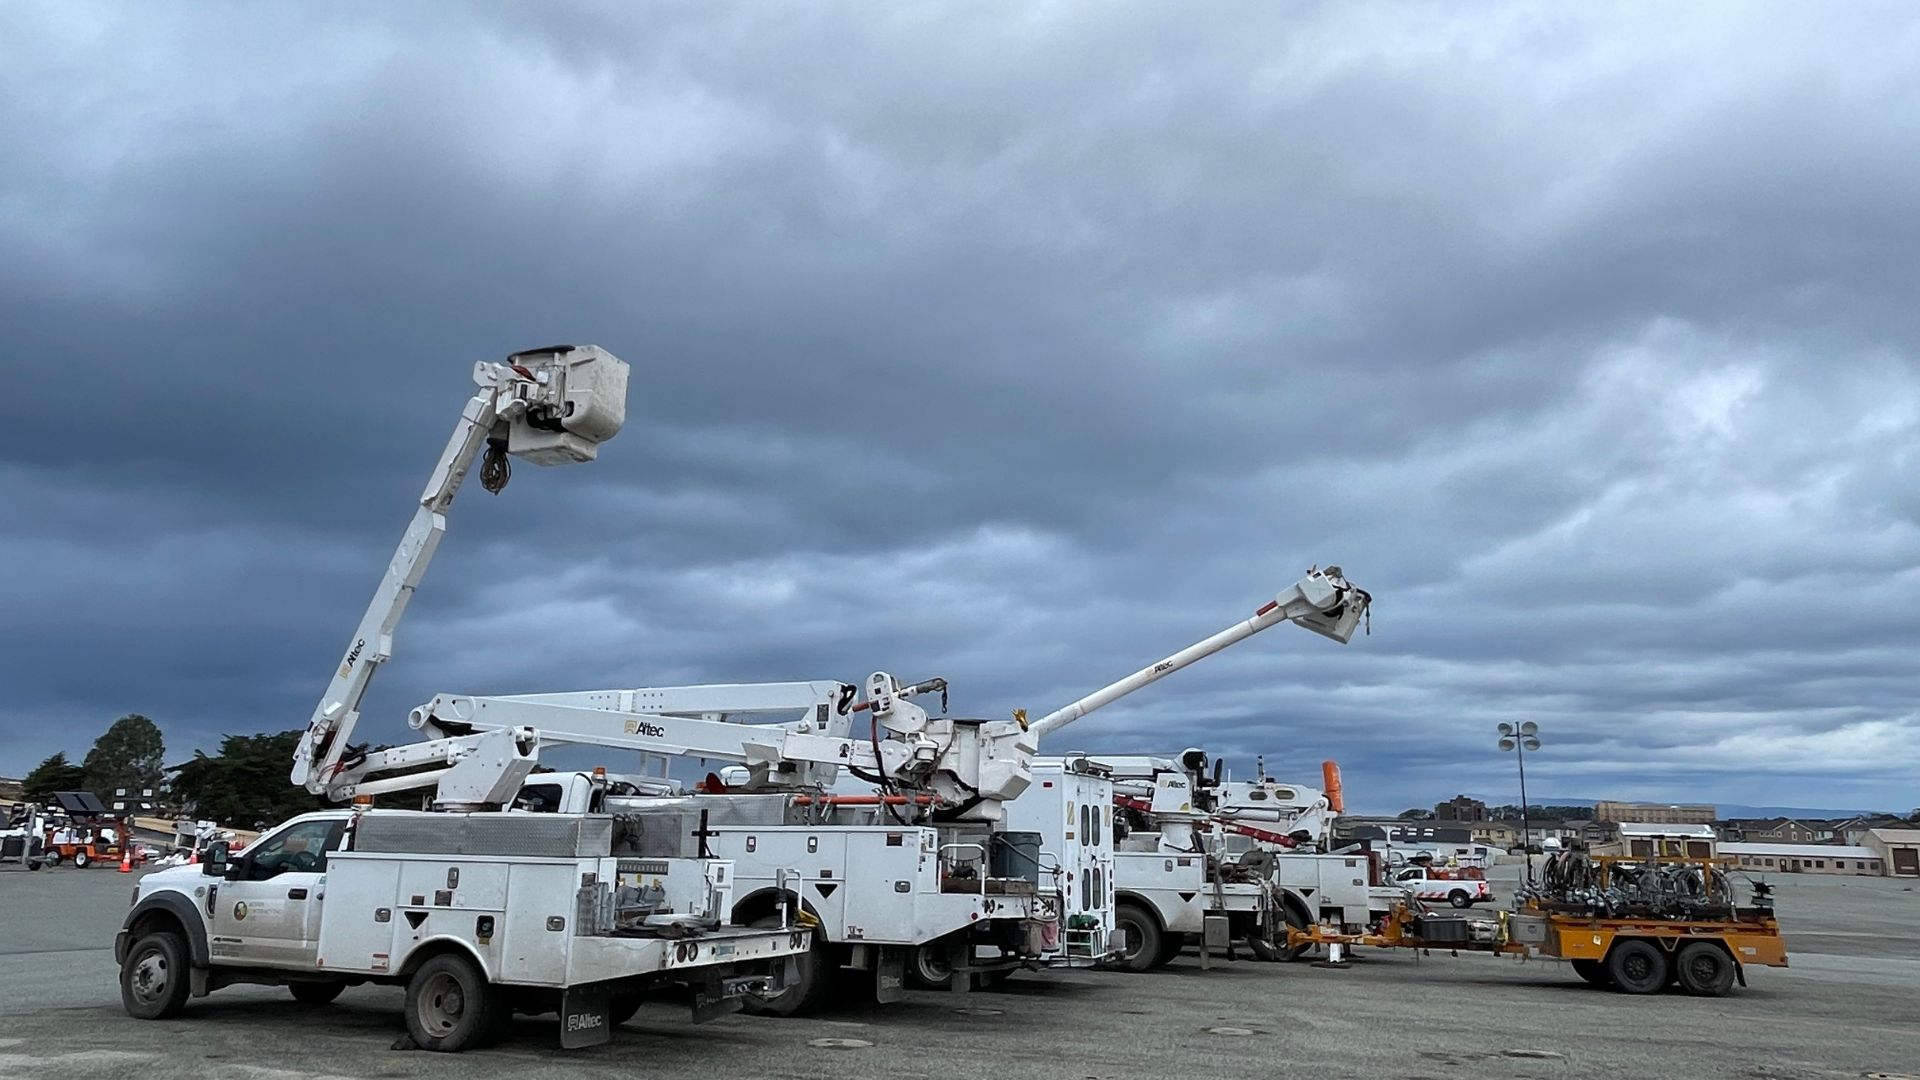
x: 316, y: 993
x: 82, y: 860
x: 810, y: 990
x: 1637, y: 966
x: 1705, y: 969
x: 53, y: 857
x: 153, y: 980
x: 450, y: 1004
x: 1140, y: 937
x: 1593, y: 972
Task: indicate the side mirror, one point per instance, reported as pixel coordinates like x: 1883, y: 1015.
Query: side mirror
x: 213, y: 861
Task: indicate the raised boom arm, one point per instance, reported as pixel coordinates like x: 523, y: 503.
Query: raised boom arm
x: 1323, y: 602
x: 551, y: 406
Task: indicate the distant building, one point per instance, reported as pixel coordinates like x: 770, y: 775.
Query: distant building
x: 1854, y: 830
x: 1460, y: 808
x: 1648, y: 838
x: 1655, y: 813
x: 1857, y: 861
x: 1776, y: 831
x: 1393, y: 830
x: 1899, y: 848
x: 10, y: 788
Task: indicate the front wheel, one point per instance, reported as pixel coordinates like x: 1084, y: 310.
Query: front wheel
x: 450, y: 1004
x: 1593, y: 972
x: 1637, y: 966
x: 153, y: 980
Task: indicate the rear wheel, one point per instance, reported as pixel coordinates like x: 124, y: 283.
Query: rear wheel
x: 450, y: 1004
x: 1459, y: 898
x: 623, y: 1007
x: 316, y: 993
x: 1705, y: 969
x: 808, y: 993
x: 53, y: 858
x: 82, y: 859
x: 1592, y: 971
x: 1141, y: 939
x: 153, y: 980
x: 1637, y: 966
x: 929, y: 967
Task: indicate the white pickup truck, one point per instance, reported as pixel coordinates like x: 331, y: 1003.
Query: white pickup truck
x: 478, y: 915
x: 1461, y: 888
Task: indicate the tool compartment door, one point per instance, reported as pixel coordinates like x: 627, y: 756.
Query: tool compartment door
x: 539, y: 923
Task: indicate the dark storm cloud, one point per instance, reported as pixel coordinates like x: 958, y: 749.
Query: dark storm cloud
x: 1020, y: 345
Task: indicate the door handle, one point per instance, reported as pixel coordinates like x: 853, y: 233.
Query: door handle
x: 296, y: 894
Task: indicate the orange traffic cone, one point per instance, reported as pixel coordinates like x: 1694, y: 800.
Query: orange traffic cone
x: 126, y: 860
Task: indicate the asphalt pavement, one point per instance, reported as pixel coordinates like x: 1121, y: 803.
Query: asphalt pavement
x: 1846, y: 1008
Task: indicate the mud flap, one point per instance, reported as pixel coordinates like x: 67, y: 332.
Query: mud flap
x: 585, y: 1016
x: 890, y: 974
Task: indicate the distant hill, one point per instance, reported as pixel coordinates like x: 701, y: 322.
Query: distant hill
x: 1727, y: 810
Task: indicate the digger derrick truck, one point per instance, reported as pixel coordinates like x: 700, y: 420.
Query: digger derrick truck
x: 1201, y: 861
x: 923, y: 878
x: 478, y: 914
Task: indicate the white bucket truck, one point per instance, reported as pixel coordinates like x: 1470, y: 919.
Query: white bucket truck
x: 476, y: 912
x: 926, y: 875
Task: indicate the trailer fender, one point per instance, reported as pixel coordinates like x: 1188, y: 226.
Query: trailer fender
x: 162, y: 909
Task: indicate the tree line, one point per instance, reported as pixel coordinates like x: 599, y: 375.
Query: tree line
x: 244, y: 784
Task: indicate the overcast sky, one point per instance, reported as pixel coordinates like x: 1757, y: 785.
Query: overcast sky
x: 1017, y: 344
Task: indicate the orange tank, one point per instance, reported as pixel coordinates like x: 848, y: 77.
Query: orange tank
x: 1330, y: 775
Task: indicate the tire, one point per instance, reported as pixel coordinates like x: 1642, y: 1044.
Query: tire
x: 53, y: 858
x: 1293, y: 918
x: 1142, y: 936
x: 1459, y: 899
x: 1592, y: 972
x: 315, y: 993
x: 1170, y: 950
x: 154, y: 980
x: 1704, y: 969
x: 450, y: 1005
x: 809, y: 993
x: 928, y: 967
x: 82, y: 860
x: 1637, y: 966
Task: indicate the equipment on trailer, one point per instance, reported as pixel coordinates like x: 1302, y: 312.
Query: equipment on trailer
x: 90, y: 835
x: 1633, y: 923
x: 24, y: 838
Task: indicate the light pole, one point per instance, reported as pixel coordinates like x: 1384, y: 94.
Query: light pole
x: 1520, y: 740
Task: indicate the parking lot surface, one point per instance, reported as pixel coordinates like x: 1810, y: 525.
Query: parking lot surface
x: 1848, y: 1007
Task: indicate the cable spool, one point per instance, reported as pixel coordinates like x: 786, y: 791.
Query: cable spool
x: 495, y: 469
